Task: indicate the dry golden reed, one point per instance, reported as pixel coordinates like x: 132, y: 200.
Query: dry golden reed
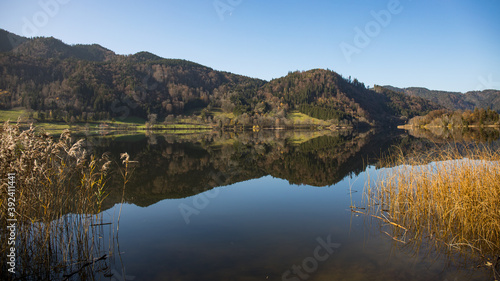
x: 59, y: 191
x: 449, y: 198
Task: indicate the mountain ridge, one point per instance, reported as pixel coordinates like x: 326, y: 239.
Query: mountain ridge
x: 469, y: 100
x: 90, y: 82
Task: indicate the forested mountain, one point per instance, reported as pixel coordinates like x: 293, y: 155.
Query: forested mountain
x: 487, y: 99
x: 484, y: 99
x: 325, y: 94
x: 9, y: 41
x: 89, y: 82
x: 51, y: 48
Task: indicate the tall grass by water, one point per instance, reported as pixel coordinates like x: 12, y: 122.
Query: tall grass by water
x: 444, y: 200
x: 58, y: 194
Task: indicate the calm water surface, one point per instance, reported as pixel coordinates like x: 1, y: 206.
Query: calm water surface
x: 260, y: 207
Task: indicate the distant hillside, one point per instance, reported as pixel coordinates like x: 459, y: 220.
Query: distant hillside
x: 91, y: 82
x: 100, y: 90
x: 326, y: 95
x: 9, y: 41
x: 78, y: 83
x: 146, y: 56
x: 484, y: 99
x: 52, y: 48
x: 455, y: 100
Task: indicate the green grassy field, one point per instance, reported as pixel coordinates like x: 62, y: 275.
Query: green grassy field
x: 301, y: 118
x: 218, y: 112
x: 13, y: 115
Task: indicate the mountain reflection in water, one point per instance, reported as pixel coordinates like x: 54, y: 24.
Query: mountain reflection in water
x: 178, y: 167
x: 259, y: 206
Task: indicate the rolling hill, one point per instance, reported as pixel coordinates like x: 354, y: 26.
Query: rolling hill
x: 89, y: 82
x: 455, y: 100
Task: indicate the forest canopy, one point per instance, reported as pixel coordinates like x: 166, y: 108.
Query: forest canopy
x: 81, y: 83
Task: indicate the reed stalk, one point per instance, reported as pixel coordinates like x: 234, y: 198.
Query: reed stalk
x: 59, y: 190
x: 446, y: 200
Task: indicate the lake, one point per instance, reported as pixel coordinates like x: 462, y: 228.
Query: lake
x: 259, y: 206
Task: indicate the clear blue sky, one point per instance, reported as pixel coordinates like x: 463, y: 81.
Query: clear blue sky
x: 438, y: 44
